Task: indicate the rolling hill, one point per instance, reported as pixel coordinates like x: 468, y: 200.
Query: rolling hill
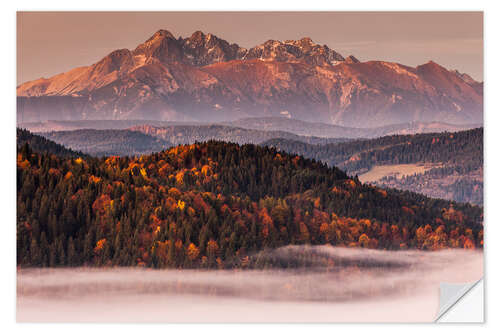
x: 187, y: 134
x: 40, y: 144
x: 305, y: 128
x: 454, y: 161
x: 108, y: 142
x: 145, y: 139
x: 211, y: 205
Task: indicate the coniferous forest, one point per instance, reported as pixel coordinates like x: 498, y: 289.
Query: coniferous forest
x: 41, y: 144
x: 456, y: 158
x: 461, y: 148
x: 213, y: 204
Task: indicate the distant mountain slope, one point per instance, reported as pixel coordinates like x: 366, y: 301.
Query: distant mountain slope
x: 281, y: 124
x: 459, y: 158
x: 213, y: 205
x: 204, y: 78
x: 359, y: 155
x: 101, y: 124
x: 108, y: 142
x: 42, y: 145
x: 300, y: 127
x: 188, y: 134
x: 145, y: 139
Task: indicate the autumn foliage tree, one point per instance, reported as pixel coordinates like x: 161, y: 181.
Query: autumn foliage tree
x: 214, y: 205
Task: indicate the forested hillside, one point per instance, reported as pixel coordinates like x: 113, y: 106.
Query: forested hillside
x: 41, y: 144
x: 464, y: 148
x: 457, y: 158
x: 146, y: 139
x: 188, y: 134
x: 214, y: 204
x: 334, y: 131
x: 108, y: 142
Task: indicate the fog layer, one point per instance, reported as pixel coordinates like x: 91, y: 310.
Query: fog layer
x: 339, y: 284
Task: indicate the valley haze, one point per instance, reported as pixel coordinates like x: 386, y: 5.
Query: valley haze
x: 336, y: 295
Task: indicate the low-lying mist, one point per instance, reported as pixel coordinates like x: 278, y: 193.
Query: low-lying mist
x: 333, y: 284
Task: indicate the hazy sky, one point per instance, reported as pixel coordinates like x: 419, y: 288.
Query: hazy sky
x: 52, y: 42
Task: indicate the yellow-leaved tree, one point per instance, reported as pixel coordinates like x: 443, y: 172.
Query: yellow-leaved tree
x: 193, y: 252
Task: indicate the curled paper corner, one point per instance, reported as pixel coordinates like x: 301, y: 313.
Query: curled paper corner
x: 450, y: 294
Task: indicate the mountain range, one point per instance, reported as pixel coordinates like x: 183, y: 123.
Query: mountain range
x: 145, y: 139
x: 267, y: 124
x: 205, y: 78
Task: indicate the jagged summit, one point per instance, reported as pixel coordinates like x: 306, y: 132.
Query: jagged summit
x: 162, y: 33
x: 199, y: 49
x: 351, y: 60
x: 302, y: 50
x: 202, y: 49
x: 464, y: 76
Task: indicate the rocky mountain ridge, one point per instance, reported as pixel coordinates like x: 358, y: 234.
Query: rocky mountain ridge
x: 205, y: 78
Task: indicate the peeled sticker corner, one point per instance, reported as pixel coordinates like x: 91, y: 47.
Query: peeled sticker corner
x: 450, y: 294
